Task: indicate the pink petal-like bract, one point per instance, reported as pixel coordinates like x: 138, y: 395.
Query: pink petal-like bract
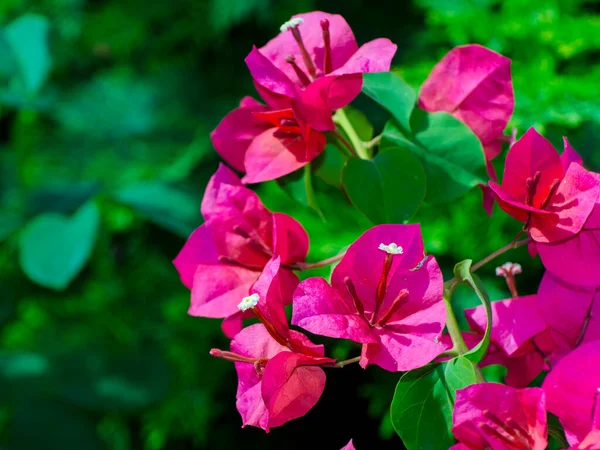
x: 291, y: 385
x: 572, y: 312
x: 391, y: 302
x: 274, y: 153
x: 233, y: 135
x: 553, y: 203
x: 514, y: 322
x: 498, y: 417
x: 569, y: 155
x: 576, y: 260
x: 572, y: 389
x: 474, y: 84
x: 324, y: 77
x: 276, y: 385
x: 348, y: 446
x: 224, y: 257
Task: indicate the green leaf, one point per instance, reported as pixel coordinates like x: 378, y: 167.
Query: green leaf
x: 360, y: 123
x: 53, y: 249
x: 462, y: 272
x: 391, y: 92
x: 329, y: 165
x: 166, y: 206
x: 423, y: 403
x: 27, y: 37
x: 451, y: 154
x: 387, y: 189
x: 459, y: 373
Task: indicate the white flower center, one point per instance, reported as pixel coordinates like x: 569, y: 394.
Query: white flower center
x: 249, y: 302
x: 508, y: 268
x: 292, y: 23
x: 392, y: 249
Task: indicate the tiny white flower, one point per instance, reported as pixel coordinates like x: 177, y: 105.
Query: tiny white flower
x: 508, y: 268
x: 249, y: 302
x: 392, y: 249
x: 292, y: 23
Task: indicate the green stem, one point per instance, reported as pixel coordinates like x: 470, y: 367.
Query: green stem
x: 311, y: 198
x: 318, y: 264
x: 341, y: 364
x: 459, y: 347
x: 451, y: 284
x: 343, y: 145
x: 453, y: 330
x: 342, y: 120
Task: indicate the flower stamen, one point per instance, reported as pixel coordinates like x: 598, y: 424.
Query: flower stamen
x: 291, y: 60
x: 352, y: 291
x: 398, y: 301
x: 292, y: 25
x: 328, y: 66
x: 249, y: 302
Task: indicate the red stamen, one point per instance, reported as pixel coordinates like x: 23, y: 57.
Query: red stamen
x: 299, y: 72
x: 254, y: 241
x: 382, y: 285
x: 551, y: 192
x: 233, y: 262
x: 308, y: 62
x: 271, y: 329
x: 524, y: 434
x: 327, y: 41
x: 352, y: 291
x: 398, y: 301
x: 531, y: 186
x: 514, y: 431
x: 511, y: 282
x: 510, y: 440
x: 230, y: 356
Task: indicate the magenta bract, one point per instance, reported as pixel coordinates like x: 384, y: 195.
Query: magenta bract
x: 275, y: 385
x: 385, y: 294
x: 225, y: 256
x: 572, y: 389
x: 498, y: 417
x: 474, y: 84
x: 554, y: 203
x: 576, y: 260
x: 316, y: 60
x: 265, y: 143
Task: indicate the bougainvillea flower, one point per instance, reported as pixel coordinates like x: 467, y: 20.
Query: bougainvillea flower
x: 279, y: 378
x: 553, y: 203
x: 387, y: 297
x: 275, y: 384
x: 573, y: 391
x: 348, y: 446
x: 571, y: 312
x: 265, y: 143
x: 576, y: 260
x: 518, y: 339
x: 316, y: 59
x: 498, y: 417
x: 474, y: 84
x: 223, y: 258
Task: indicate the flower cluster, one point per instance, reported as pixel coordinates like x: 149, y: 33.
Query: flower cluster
x: 386, y: 293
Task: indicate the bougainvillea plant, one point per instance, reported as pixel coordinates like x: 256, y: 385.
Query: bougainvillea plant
x: 385, y: 293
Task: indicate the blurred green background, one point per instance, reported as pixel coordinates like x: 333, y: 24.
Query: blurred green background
x: 105, y: 110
